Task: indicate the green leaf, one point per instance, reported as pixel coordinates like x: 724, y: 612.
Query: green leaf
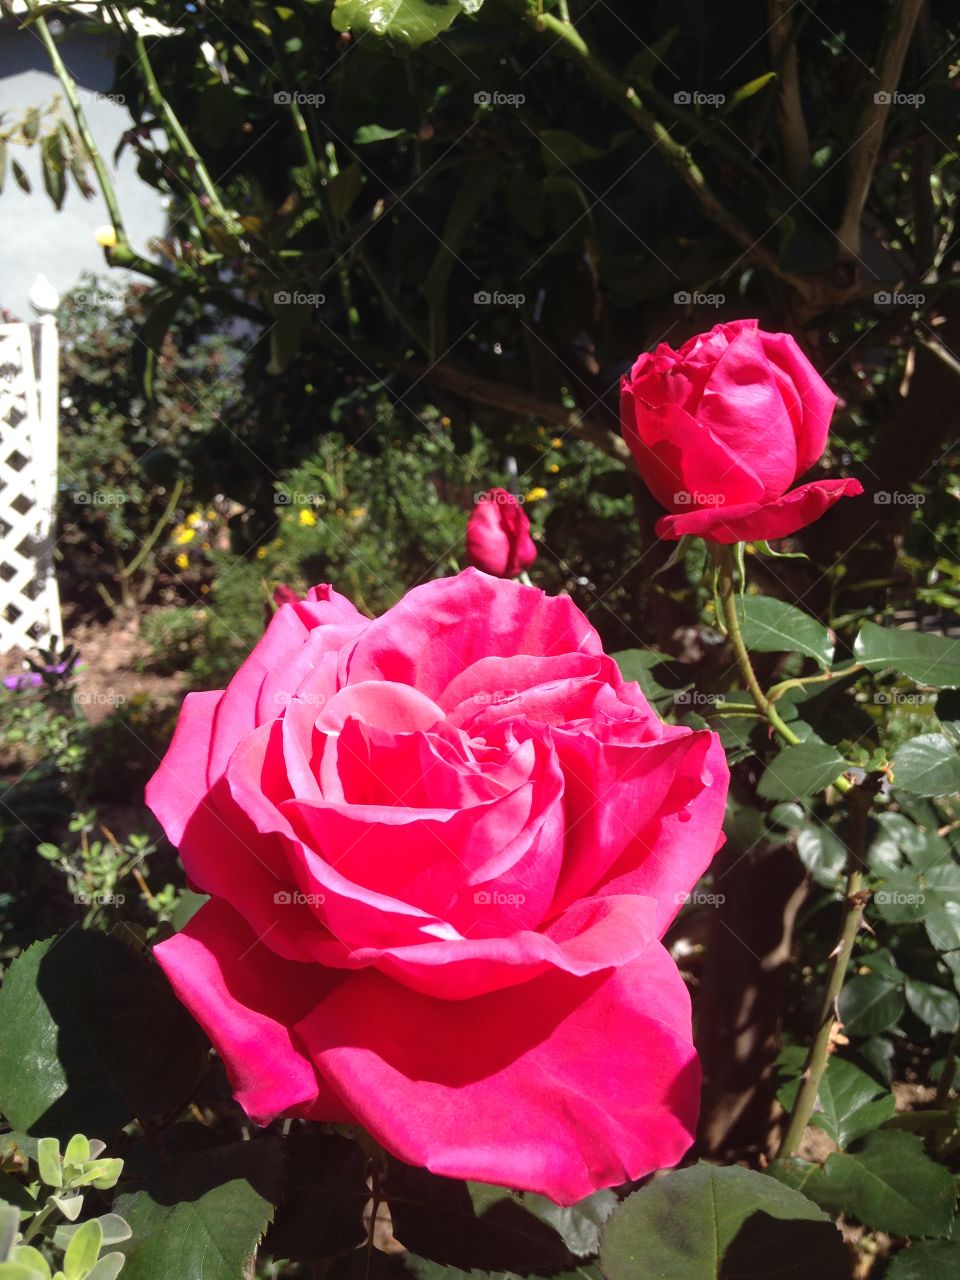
x: 199, y: 1206
x: 928, y: 1260
x: 108, y: 1268
x: 749, y: 89
x: 27, y: 1256
x: 53, y: 166
x: 83, y: 1250
x: 375, y: 133
x: 78, y: 1150
x: 9, y: 1227
x: 822, y: 853
x: 579, y: 1225
x: 80, y: 1010
x: 470, y: 1225
x: 800, y: 771
x: 343, y: 189
x: 709, y: 1223
x: 770, y: 626
x: 848, y: 1105
x: 413, y: 22
x: 48, y: 1160
x: 19, y: 1271
x: 941, y: 919
x: 325, y: 1191
x: 656, y: 673
x: 900, y: 898
x: 888, y: 1185
x: 927, y: 766
x: 925, y: 659
x: 19, y: 176
x: 933, y: 1005
x: 114, y: 1229
x: 869, y: 1004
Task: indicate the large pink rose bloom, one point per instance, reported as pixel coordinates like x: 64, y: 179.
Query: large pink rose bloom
x: 498, y: 535
x: 442, y: 848
x: 723, y: 427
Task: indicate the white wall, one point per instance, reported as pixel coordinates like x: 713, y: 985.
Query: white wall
x: 34, y: 237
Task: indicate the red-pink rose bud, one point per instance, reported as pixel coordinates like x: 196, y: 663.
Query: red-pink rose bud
x: 498, y: 535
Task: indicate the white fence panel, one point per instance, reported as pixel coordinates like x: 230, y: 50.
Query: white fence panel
x: 29, y: 602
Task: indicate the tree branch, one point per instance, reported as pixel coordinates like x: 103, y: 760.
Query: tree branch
x: 793, y: 126
x: 873, y: 118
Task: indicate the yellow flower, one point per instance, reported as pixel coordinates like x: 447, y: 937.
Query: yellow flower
x: 211, y: 514
x: 556, y: 443
x: 536, y: 494
x: 185, y: 535
x: 307, y: 517
x: 193, y: 519
x: 444, y: 422
x: 261, y: 553
x: 106, y: 237
x: 554, y: 467
x: 182, y: 561
x: 357, y: 513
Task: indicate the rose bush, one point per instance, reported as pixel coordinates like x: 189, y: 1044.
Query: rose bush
x: 442, y: 848
x: 723, y: 427
x: 498, y: 535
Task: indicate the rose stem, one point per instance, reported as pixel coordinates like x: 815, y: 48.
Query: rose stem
x: 853, y: 904
x: 728, y: 598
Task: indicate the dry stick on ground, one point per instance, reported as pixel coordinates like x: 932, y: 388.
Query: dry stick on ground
x: 793, y: 127
x: 870, y: 125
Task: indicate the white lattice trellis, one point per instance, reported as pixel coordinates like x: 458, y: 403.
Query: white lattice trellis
x: 29, y: 603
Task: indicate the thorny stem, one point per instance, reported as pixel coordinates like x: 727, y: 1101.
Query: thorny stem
x: 853, y: 904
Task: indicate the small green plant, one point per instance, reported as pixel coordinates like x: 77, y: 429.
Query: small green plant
x: 97, y: 868
x: 40, y: 1237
